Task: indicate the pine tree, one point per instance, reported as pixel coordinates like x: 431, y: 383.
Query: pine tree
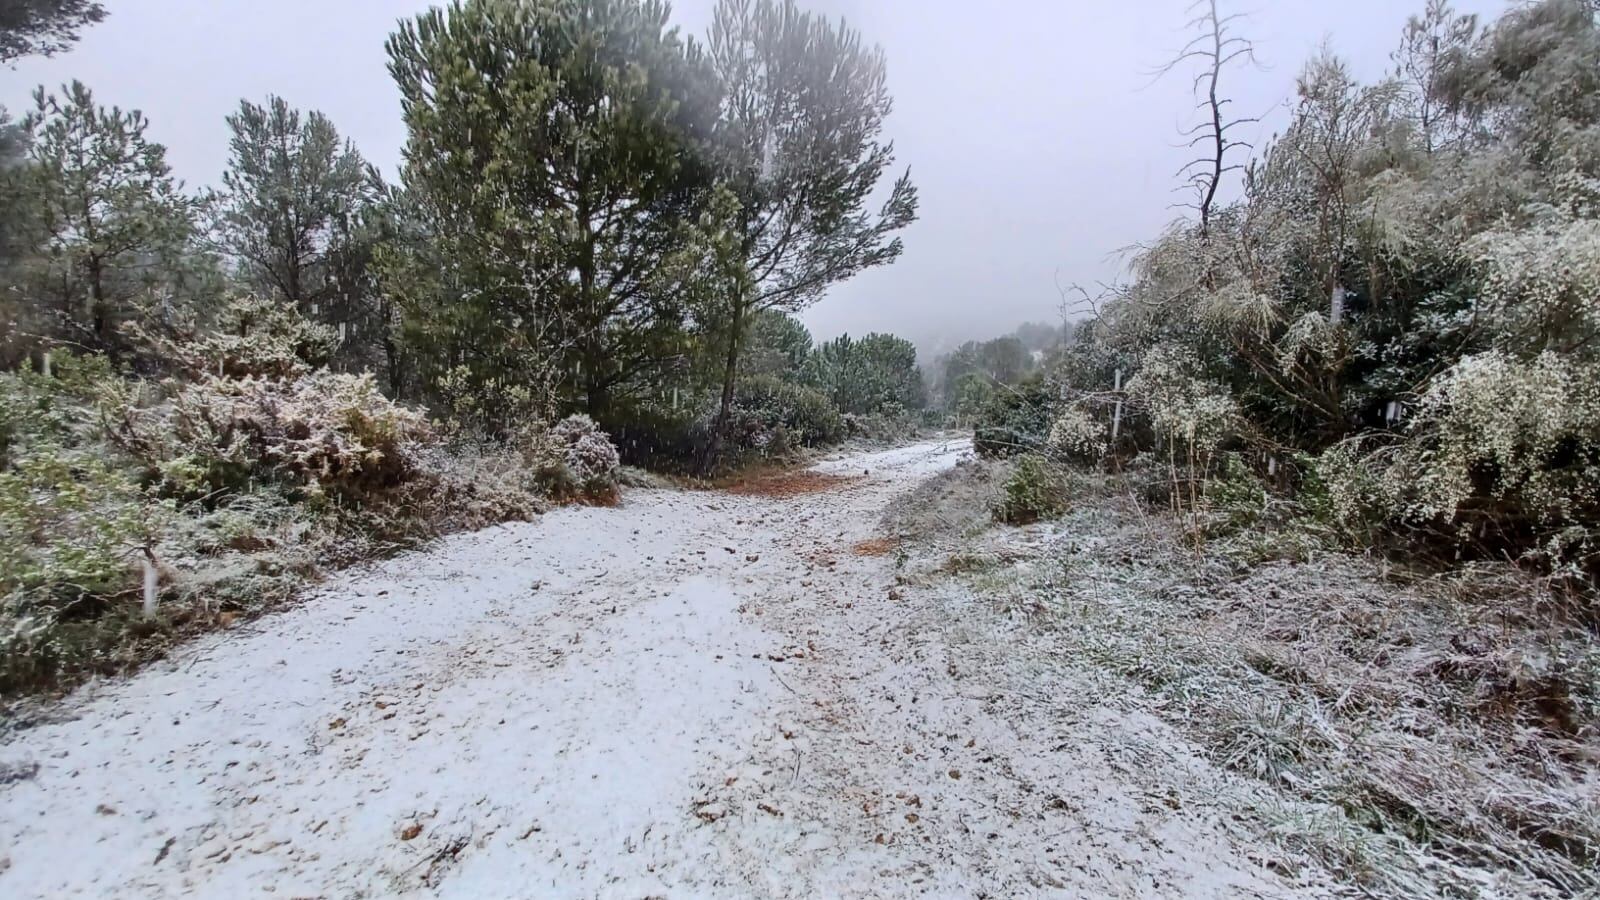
x: 292, y: 190
x: 113, y: 222
x: 17, y: 239
x: 877, y: 373
x: 777, y: 344
x: 553, y: 160
x: 295, y: 218
x: 43, y: 27
x: 803, y: 110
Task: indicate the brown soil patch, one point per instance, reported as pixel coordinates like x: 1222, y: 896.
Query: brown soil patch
x: 875, y: 547
x: 789, y: 484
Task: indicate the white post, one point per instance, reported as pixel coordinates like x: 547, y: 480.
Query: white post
x: 152, y: 578
x: 44, y: 369
x: 1116, y: 415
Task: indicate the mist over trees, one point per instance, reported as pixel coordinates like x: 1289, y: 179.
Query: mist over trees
x: 965, y: 380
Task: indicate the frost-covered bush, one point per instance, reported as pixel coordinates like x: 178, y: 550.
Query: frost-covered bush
x: 1035, y: 490
x: 39, y: 412
x: 1540, y: 284
x: 1077, y: 436
x: 69, y: 523
x: 321, y: 432
x: 69, y: 511
x: 73, y: 516
x: 1500, y: 450
x: 891, y: 424
x: 469, y: 403
x: 241, y: 485
x: 1524, y: 432
x: 572, y: 460
x: 589, y: 455
x: 1185, y: 408
x: 249, y: 337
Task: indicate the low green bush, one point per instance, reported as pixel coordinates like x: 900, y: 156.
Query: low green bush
x: 1035, y: 490
x: 241, y: 486
x: 1016, y: 421
x: 774, y: 416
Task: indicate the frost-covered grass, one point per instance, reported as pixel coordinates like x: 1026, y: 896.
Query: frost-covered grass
x: 1420, y: 734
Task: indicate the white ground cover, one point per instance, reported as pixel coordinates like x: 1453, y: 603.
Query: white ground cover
x: 696, y: 694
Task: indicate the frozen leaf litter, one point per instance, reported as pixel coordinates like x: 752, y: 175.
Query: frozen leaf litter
x: 603, y: 703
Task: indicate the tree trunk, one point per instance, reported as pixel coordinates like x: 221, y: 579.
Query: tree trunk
x: 100, y: 314
x: 594, y: 387
x: 391, y: 356
x: 730, y: 373
x: 598, y: 400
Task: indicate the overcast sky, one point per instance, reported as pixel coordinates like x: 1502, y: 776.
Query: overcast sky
x: 1032, y: 127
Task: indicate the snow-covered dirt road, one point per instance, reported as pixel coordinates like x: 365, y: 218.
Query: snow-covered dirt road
x: 696, y: 694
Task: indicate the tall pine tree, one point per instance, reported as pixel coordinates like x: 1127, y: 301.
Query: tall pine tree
x: 799, y: 137
x: 296, y: 218
x: 553, y: 161
x: 113, y: 223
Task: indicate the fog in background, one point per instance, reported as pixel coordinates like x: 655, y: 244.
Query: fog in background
x: 1035, y: 131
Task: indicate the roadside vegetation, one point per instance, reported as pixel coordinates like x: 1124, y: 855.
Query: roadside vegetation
x: 593, y: 256
x: 1317, y: 486
x: 1319, y: 480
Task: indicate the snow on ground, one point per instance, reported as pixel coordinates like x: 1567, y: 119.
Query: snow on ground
x: 693, y: 695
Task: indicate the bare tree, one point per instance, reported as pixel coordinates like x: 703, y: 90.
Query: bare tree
x: 1215, y: 46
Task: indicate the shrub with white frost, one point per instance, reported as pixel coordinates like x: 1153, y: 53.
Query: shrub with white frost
x: 322, y: 432
x: 1497, y: 443
x: 588, y: 455
x: 1184, y: 408
x: 1540, y: 284
x: 1078, y: 436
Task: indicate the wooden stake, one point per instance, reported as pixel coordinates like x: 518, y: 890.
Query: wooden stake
x: 1116, y: 415
x: 152, y: 579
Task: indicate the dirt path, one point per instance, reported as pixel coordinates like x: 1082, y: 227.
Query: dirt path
x: 694, y: 695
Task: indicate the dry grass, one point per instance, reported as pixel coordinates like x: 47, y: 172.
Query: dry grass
x: 783, y: 484
x: 1418, y: 736
x: 1447, y: 732
x: 948, y: 508
x: 875, y: 547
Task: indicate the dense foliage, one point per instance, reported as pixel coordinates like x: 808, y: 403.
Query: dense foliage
x: 1400, y: 307
x: 601, y: 228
